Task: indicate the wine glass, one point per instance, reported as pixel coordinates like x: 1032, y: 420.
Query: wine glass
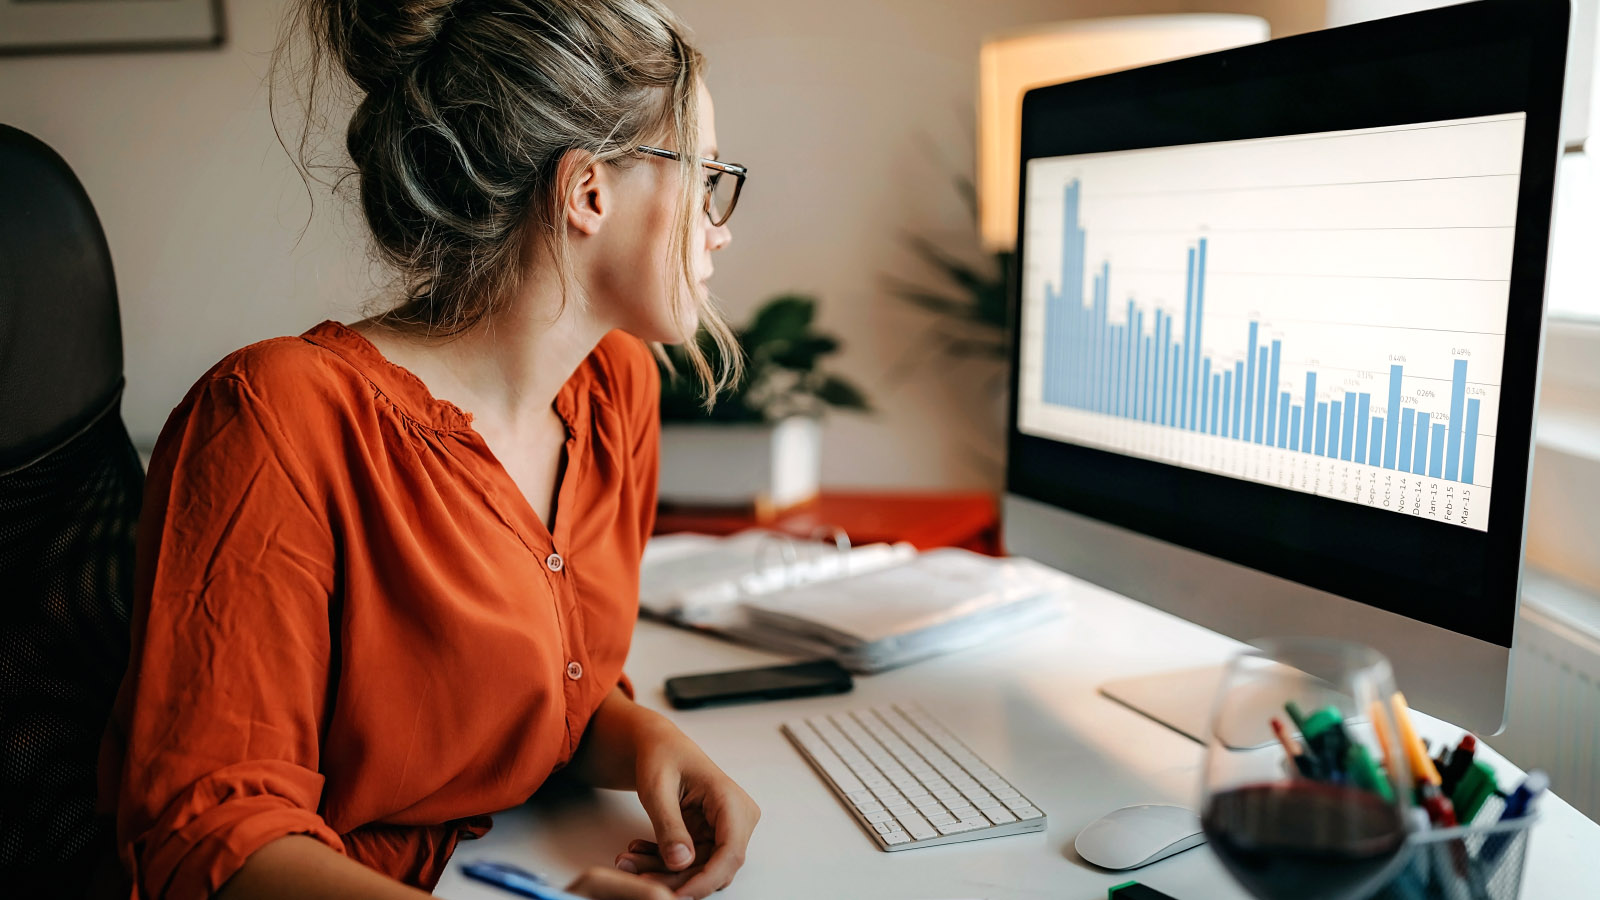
x: 1328, y: 820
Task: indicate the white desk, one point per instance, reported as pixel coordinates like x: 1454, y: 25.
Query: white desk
x: 1027, y: 704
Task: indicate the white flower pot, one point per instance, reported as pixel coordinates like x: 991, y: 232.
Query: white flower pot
x: 769, y: 467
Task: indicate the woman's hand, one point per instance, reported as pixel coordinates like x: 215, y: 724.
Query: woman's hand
x: 702, y: 819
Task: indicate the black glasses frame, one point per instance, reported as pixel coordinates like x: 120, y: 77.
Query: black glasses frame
x: 718, y: 169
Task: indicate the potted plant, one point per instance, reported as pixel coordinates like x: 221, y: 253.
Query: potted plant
x: 760, y: 445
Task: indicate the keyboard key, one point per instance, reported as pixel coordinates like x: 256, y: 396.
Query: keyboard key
x: 987, y: 803
x: 946, y: 793
x: 884, y: 827
x: 958, y: 806
x: 881, y: 815
x: 928, y: 804
x: 915, y: 791
x: 896, y: 837
x: 915, y: 824
x: 942, y: 818
x: 1028, y: 812
x: 1013, y: 803
x: 956, y: 828
x: 873, y: 806
x: 859, y: 797
x: 999, y: 816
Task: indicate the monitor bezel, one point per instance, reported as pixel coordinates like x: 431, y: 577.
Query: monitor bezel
x: 1485, y: 58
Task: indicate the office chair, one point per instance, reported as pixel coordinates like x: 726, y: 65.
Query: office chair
x: 70, y: 490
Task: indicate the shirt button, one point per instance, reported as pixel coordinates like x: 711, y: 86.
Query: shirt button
x: 554, y: 561
x: 574, y: 670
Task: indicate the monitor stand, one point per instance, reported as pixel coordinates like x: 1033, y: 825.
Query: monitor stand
x: 1180, y: 699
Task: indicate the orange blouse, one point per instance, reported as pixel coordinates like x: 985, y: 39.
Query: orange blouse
x: 350, y: 624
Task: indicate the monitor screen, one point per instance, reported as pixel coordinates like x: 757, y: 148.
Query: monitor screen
x: 1281, y: 305
x: 1322, y: 313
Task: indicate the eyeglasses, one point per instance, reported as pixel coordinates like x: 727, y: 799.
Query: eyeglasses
x: 722, y: 192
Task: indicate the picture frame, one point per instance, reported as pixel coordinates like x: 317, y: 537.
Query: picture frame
x: 90, y: 26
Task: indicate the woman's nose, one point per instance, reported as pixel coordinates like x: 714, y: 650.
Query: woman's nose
x: 718, y: 236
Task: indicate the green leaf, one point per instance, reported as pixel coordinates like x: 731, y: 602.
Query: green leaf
x: 836, y: 391
x: 802, y: 355
x: 785, y: 318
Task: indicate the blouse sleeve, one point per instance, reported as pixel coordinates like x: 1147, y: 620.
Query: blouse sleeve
x: 218, y: 722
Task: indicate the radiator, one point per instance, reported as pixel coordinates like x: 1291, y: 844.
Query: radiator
x: 1554, y: 709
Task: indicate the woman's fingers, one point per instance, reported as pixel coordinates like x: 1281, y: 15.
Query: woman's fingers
x: 660, y: 801
x: 600, y: 883
x: 734, y: 819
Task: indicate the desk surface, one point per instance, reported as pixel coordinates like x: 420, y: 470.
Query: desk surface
x: 1028, y: 705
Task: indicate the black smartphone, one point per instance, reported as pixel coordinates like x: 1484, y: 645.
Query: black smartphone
x: 823, y: 676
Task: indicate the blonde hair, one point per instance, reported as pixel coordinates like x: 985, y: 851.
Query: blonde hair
x: 465, y: 109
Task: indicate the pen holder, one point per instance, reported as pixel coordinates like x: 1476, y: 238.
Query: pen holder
x: 1481, y: 861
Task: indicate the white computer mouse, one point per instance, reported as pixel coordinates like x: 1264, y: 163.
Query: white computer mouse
x: 1137, y: 836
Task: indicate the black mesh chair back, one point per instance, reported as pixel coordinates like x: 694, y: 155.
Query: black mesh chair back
x: 70, y: 489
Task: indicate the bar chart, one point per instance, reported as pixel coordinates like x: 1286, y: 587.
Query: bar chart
x: 1323, y: 313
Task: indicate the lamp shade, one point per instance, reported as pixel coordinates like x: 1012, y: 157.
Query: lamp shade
x: 1010, y: 64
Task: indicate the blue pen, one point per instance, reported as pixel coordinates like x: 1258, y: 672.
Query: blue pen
x: 1518, y: 805
x: 516, y: 880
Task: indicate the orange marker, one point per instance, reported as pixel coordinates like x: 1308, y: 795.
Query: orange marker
x: 1421, y: 766
x: 1384, y: 741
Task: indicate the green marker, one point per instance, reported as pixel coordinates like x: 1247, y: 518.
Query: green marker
x: 1364, y: 772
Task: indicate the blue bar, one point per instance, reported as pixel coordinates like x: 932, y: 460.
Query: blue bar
x: 1392, y: 430
x: 1458, y: 399
x: 1227, y: 400
x: 1322, y: 428
x: 1144, y: 378
x: 1199, y: 309
x: 1172, y: 384
x: 1217, y: 400
x: 1362, y: 414
x: 1294, y: 431
x: 1469, y: 450
x: 1163, y: 328
x: 1436, y: 451
x: 1283, y: 420
x: 1376, y: 453
x: 1118, y: 341
x: 1311, y: 404
x: 1238, y: 398
x: 1335, y: 419
x: 1096, y: 323
x: 1133, y: 360
x: 1107, y: 352
x: 1205, y: 416
x: 1250, y: 433
x: 1261, y: 398
x: 1408, y: 418
x: 1272, y: 391
x: 1182, y: 418
x: 1347, y: 432
x: 1419, y: 444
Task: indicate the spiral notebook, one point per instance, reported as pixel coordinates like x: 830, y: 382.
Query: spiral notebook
x: 870, y: 608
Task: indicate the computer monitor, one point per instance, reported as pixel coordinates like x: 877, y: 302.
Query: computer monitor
x: 1278, y: 340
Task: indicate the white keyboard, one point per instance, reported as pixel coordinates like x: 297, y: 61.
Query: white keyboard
x: 908, y: 781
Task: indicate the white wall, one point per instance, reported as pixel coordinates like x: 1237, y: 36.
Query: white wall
x: 853, y: 115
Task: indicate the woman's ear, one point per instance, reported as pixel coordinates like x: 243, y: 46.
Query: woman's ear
x: 586, y: 203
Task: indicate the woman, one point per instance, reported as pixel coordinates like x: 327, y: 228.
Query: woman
x: 388, y: 572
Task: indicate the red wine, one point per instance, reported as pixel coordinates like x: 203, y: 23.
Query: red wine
x: 1303, y: 840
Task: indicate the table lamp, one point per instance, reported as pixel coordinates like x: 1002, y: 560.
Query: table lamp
x: 1012, y: 63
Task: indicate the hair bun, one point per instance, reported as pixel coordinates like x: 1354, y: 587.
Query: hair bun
x: 378, y: 41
